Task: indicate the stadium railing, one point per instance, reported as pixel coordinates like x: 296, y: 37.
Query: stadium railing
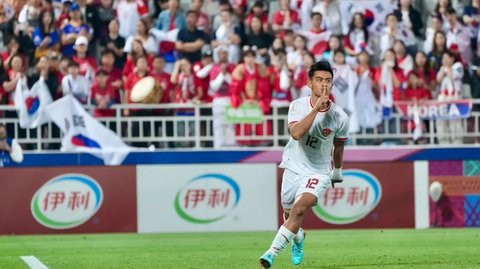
x: 159, y: 125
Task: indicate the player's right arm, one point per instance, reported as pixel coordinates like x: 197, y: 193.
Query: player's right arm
x: 299, y: 128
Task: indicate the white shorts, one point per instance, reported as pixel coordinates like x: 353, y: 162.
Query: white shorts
x: 293, y: 185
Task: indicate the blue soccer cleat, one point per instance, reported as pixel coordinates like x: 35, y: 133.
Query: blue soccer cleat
x: 297, y: 250
x: 266, y: 260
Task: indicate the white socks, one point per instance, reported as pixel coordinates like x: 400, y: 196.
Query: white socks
x: 283, y: 237
x: 299, y: 236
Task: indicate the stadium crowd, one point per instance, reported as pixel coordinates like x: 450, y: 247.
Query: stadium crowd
x: 97, y: 50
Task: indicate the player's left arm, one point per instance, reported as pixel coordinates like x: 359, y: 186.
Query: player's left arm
x: 339, y: 145
x: 341, y: 136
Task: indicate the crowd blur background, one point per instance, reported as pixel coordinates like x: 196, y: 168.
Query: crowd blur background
x: 232, y: 52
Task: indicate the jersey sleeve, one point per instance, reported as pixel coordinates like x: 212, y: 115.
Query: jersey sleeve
x: 296, y: 112
x: 343, y: 125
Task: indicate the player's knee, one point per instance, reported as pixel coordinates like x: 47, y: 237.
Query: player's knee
x: 298, y: 210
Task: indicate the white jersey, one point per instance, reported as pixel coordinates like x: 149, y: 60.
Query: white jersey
x: 313, y: 152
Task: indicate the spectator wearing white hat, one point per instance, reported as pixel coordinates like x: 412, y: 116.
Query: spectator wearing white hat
x: 87, y: 64
x: 220, y: 81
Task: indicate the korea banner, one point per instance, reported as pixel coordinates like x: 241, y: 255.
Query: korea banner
x: 375, y: 12
x: 83, y: 133
x: 31, y: 103
x: 447, y: 110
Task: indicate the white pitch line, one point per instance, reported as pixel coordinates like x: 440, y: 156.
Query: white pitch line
x: 33, y: 262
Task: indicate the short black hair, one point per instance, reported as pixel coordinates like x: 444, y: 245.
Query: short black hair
x: 451, y: 11
x: 191, y: 12
x: 72, y: 63
x: 391, y: 15
x: 258, y: 3
x: 102, y: 72
x: 2, y: 125
x: 339, y: 51
x: 452, y: 55
x: 106, y: 52
x: 315, y: 14
x: 321, y: 65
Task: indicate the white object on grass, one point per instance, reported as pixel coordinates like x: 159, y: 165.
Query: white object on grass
x: 33, y: 262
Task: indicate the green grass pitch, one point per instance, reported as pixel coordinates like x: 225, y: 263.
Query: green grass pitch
x: 433, y: 248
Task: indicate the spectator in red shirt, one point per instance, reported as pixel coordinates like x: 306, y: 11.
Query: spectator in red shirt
x: 416, y: 92
x: 163, y: 78
x: 103, y: 95
x: 184, y: 82
x: 13, y: 49
x: 201, y: 70
x: 140, y: 71
x: 285, y: 18
x: 220, y: 81
x: 221, y: 78
x: 107, y: 63
x: 259, y: 12
x: 251, y: 84
x: 415, y: 89
x: 426, y: 74
x: 137, y: 51
x: 15, y: 73
x: 87, y: 64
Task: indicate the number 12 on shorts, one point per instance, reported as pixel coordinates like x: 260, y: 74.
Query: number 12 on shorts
x: 312, y: 183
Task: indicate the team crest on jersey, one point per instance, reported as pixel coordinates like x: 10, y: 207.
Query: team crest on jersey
x: 326, y: 132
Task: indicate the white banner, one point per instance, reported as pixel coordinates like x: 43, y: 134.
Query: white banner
x: 83, y: 133
x: 207, y: 197
x: 31, y: 103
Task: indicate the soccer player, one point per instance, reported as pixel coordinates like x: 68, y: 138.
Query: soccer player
x: 316, y: 125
